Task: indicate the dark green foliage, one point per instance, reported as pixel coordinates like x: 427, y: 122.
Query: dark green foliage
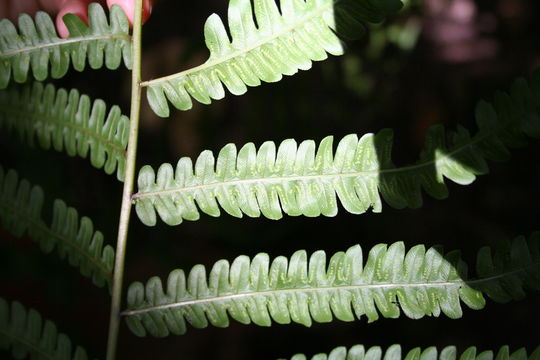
x: 73, y: 236
x: 67, y: 121
x: 35, y: 45
x: 25, y: 332
x: 506, y: 283
x: 418, y: 282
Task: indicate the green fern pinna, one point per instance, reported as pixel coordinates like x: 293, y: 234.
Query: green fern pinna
x: 263, y: 41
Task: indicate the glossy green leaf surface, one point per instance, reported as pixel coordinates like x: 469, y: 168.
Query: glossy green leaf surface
x: 29, y: 336
x: 73, y: 236
x: 34, y: 45
x: 304, y: 289
x: 303, y: 179
x: 67, y: 121
x: 267, y: 42
x: 394, y: 352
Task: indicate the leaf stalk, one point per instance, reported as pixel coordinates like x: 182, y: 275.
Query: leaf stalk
x: 125, y: 211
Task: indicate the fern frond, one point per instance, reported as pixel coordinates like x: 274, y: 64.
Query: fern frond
x: 267, y: 43
x: 418, y: 282
x: 67, y: 121
x: 73, y: 236
x: 25, y: 332
x: 303, y: 180
x: 36, y: 45
x: 394, y: 352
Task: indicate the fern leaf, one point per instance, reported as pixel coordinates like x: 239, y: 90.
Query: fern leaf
x: 394, y: 352
x: 418, y: 282
x: 73, y: 236
x: 303, y: 180
x: 36, y: 45
x: 67, y: 121
x: 25, y: 332
x: 284, y: 41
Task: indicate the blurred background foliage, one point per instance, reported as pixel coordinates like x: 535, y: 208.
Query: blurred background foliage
x: 429, y: 65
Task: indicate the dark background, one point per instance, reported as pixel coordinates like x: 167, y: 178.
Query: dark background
x: 461, y: 51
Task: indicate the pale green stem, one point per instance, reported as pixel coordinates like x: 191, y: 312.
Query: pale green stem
x: 125, y: 212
